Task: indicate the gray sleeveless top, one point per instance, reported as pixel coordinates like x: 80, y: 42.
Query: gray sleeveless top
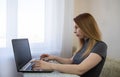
x: 100, y: 48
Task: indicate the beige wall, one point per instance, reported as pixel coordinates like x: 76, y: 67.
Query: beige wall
x: 106, y: 13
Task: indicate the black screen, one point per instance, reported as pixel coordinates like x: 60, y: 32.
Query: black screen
x: 22, y: 52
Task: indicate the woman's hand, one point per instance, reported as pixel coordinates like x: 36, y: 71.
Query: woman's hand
x: 47, y: 57
x: 42, y: 65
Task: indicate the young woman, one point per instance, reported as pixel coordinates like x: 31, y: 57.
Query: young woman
x: 89, y: 60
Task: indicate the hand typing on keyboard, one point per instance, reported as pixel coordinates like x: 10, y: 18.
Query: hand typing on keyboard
x: 40, y: 64
x: 47, y: 57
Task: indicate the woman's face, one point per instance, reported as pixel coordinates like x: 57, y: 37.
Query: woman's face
x: 78, y: 31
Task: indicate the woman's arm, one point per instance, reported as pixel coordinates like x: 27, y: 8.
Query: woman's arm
x: 91, y: 61
x: 63, y: 60
x: 59, y: 59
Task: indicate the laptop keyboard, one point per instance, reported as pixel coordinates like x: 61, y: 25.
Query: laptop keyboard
x: 29, y: 68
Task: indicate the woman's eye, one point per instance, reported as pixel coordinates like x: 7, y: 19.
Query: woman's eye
x: 75, y: 27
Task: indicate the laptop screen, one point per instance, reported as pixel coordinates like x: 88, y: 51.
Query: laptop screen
x: 22, y: 52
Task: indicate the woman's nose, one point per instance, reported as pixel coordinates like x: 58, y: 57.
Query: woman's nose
x: 74, y: 31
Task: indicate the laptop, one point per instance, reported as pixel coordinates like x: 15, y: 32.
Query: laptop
x: 23, y: 57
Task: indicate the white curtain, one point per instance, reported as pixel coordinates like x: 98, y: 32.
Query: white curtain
x: 58, y: 28
x: 54, y: 21
x: 58, y: 33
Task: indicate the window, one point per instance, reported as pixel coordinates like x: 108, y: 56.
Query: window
x: 31, y: 20
x: 2, y: 23
x: 46, y: 23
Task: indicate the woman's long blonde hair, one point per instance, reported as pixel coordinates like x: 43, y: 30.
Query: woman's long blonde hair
x: 90, y: 29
